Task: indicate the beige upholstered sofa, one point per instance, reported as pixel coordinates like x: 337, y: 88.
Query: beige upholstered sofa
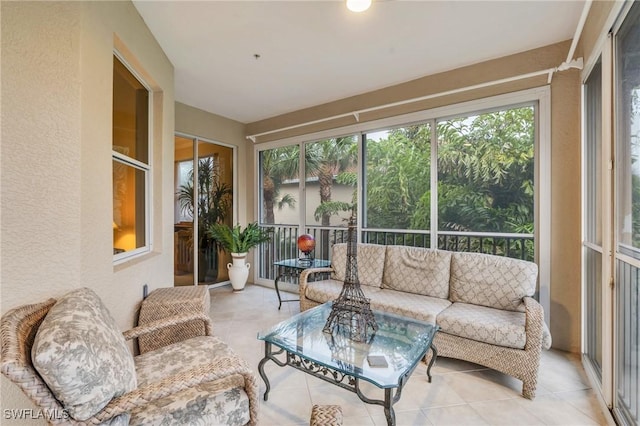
x: 69, y: 358
x: 482, y: 303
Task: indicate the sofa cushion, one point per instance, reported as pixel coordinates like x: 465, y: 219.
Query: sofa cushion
x: 417, y: 270
x: 370, y: 263
x: 222, y: 401
x: 488, y: 325
x: 81, y: 354
x: 492, y: 281
x: 323, y: 291
x: 424, y: 308
x: 328, y: 290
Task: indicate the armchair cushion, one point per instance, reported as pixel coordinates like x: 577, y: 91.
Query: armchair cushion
x: 219, y: 402
x: 173, y: 359
x: 81, y: 354
x: 222, y: 401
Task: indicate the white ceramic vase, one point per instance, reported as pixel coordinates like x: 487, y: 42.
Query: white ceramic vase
x: 238, y: 271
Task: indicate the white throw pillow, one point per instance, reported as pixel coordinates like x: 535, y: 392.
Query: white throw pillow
x: 81, y: 354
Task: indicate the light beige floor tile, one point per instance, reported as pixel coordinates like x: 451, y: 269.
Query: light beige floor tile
x: 557, y: 381
x: 585, y: 401
x: 456, y: 415
x: 290, y: 406
x: 462, y: 393
x: 505, y: 412
x: 404, y: 418
x: 478, y: 386
x: 561, y: 371
x: 381, y: 420
x: 451, y: 365
x: 358, y: 421
x: 419, y: 393
x: 333, y: 395
x: 507, y: 382
x: 401, y: 421
x: 282, y: 378
x: 555, y: 411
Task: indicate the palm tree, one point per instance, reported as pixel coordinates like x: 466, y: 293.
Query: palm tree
x: 277, y: 165
x: 326, y: 159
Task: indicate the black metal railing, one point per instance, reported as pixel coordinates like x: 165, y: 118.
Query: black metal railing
x: 283, y: 243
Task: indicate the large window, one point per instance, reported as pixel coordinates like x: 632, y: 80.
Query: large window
x: 462, y: 182
x: 397, y: 174
x: 131, y: 163
x: 474, y: 187
x: 627, y: 95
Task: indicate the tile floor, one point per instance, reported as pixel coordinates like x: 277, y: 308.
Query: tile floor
x: 461, y: 393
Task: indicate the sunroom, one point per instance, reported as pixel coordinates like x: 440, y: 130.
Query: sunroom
x: 529, y: 154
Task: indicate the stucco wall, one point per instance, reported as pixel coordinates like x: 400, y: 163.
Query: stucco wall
x: 56, y: 199
x: 566, y: 260
x: 196, y: 122
x: 565, y: 283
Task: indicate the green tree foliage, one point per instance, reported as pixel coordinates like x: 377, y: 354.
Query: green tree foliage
x: 277, y: 165
x: 214, y: 200
x: 485, y: 172
x: 485, y: 175
x: 398, y: 177
x: 326, y: 159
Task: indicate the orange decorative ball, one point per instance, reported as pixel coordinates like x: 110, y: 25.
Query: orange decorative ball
x: 306, y: 243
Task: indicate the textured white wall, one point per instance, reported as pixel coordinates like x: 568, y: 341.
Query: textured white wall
x: 55, y: 178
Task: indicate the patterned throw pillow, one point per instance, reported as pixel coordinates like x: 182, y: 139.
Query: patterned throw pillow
x: 81, y: 354
x: 492, y: 281
x: 417, y: 270
x: 370, y: 263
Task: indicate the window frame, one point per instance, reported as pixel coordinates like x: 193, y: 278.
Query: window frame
x: 542, y: 174
x: 594, y: 233
x: 146, y: 168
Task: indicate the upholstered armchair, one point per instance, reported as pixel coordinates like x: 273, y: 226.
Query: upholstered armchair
x: 70, y: 359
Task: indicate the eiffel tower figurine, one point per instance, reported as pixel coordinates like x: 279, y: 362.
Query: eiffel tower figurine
x: 351, y: 313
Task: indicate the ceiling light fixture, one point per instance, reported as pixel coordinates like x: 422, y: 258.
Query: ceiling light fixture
x: 358, y: 5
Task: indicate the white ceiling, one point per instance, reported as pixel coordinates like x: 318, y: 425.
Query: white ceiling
x: 312, y: 52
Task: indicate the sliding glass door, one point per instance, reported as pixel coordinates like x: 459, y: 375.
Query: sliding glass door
x: 203, y: 196
x: 627, y: 318
x: 592, y: 244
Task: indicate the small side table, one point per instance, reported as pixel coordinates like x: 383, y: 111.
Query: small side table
x: 167, y: 302
x: 292, y: 268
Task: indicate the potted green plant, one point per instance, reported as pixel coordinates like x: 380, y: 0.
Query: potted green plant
x: 238, y: 242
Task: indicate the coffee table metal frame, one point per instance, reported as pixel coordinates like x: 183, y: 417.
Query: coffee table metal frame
x: 348, y: 376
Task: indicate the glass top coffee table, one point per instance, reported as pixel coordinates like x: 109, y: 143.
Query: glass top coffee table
x: 399, y: 342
